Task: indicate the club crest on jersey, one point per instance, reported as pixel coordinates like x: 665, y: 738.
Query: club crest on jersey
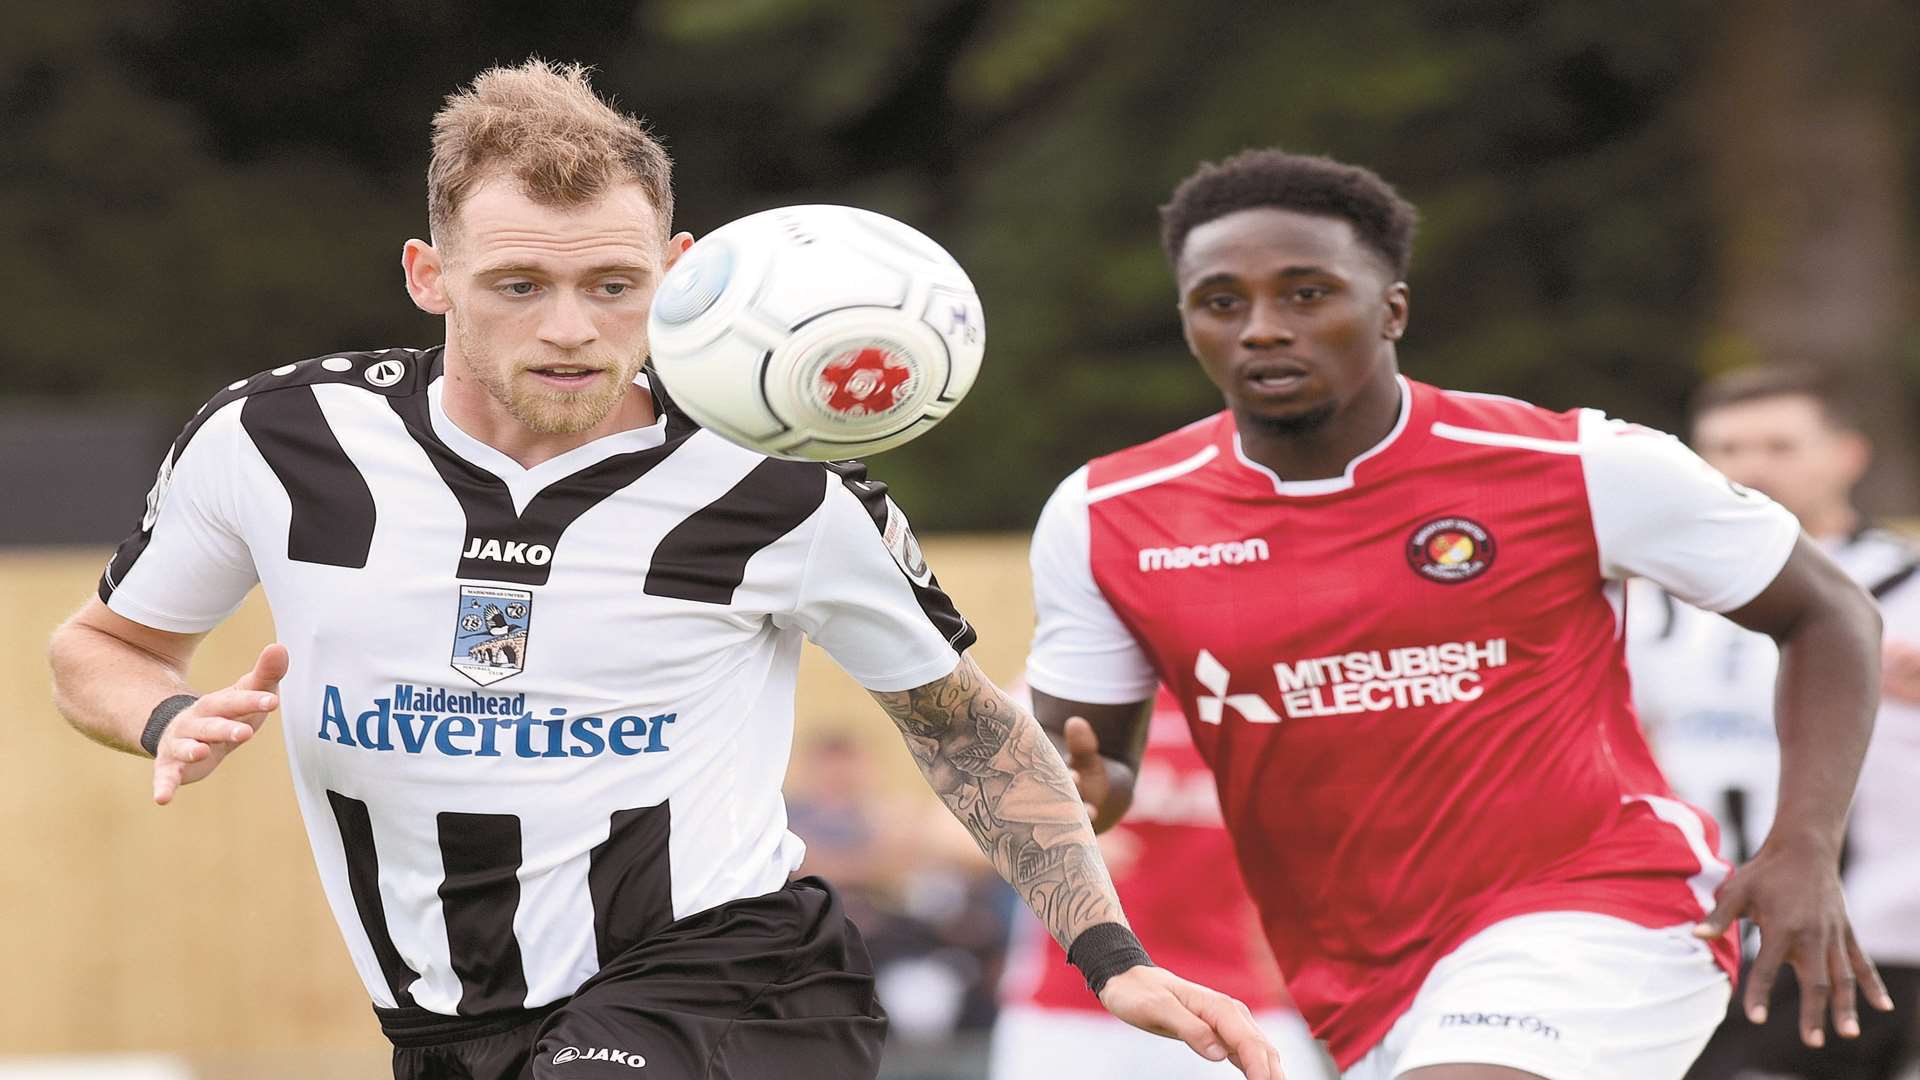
x: 1450, y: 550
x: 490, y: 632
x: 898, y: 536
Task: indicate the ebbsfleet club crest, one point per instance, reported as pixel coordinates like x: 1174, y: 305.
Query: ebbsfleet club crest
x: 490, y: 632
x: 1450, y: 550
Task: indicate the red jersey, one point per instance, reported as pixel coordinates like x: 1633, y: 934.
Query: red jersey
x: 1409, y: 680
x: 1172, y: 865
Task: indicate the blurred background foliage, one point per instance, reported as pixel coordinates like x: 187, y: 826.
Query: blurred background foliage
x: 1617, y: 198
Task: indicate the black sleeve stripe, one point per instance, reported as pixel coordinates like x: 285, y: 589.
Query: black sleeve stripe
x: 363, y: 881
x: 934, y: 602
x: 333, y: 511
x: 124, y: 557
x: 416, y: 369
x: 1879, y: 589
x: 133, y: 546
x: 479, y: 896
x: 704, y: 558
x: 630, y: 879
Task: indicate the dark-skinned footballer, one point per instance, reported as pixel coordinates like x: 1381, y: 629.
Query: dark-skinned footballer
x: 1392, y: 615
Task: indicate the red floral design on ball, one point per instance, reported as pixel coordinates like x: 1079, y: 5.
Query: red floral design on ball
x: 863, y: 382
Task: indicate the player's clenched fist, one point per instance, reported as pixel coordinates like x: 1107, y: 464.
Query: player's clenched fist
x: 1105, y: 785
x: 1089, y: 770
x: 1213, y: 1024
x: 200, y: 736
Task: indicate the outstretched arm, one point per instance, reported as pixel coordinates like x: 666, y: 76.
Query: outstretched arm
x: 109, y: 673
x: 994, y: 768
x: 1829, y: 636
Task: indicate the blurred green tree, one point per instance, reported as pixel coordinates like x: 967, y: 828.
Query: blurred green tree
x: 1808, y: 164
x: 197, y: 190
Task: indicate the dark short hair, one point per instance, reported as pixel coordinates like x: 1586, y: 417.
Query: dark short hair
x: 1304, y: 183
x: 1760, y: 382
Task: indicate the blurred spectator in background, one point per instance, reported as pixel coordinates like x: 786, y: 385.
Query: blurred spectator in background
x: 934, y: 913
x: 1705, y: 687
x: 1173, y: 865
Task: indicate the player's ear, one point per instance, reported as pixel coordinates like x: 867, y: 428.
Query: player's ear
x: 1395, y: 323
x: 677, y: 247
x: 426, y: 277
x: 1856, y: 454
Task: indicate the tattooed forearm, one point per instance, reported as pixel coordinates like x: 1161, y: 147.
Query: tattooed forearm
x: 995, y: 769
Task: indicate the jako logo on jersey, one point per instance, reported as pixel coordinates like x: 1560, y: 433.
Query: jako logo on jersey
x: 618, y: 1057
x: 385, y: 373
x: 1225, y: 553
x: 1530, y: 1024
x: 511, y: 551
x: 1450, y: 550
x: 419, y: 720
x: 490, y: 632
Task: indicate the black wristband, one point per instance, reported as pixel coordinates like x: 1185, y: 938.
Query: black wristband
x: 159, y: 718
x: 1103, y: 951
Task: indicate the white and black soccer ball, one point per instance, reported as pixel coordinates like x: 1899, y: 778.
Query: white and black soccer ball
x: 817, y: 332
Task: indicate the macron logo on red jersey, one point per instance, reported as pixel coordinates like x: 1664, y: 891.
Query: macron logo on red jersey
x: 1225, y: 553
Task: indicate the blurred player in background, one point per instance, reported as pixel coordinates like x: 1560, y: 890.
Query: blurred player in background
x: 1391, y: 614
x: 1172, y: 865
x: 1704, y: 687
x: 542, y: 635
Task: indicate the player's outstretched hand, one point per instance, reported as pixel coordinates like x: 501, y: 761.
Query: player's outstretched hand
x: 204, y: 733
x: 1213, y: 1024
x: 1794, y: 898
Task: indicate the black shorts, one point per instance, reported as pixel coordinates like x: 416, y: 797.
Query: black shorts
x: 1888, y: 1042
x: 771, y: 986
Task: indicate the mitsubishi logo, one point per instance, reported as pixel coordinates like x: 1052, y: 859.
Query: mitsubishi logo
x: 1213, y: 675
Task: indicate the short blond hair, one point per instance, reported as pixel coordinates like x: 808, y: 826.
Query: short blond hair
x: 543, y: 124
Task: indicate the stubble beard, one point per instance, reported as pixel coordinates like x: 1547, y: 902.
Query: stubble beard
x: 549, y: 412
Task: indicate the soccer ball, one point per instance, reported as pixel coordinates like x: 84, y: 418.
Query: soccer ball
x: 817, y: 332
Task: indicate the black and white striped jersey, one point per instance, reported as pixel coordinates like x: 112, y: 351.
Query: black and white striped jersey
x: 1704, y: 687
x: 533, y: 714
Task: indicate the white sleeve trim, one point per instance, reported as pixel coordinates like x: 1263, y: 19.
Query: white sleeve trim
x: 126, y: 607
x: 1661, y: 513
x: 920, y: 675
x: 1081, y: 650
x: 1147, y: 479
x: 1502, y: 438
x: 1061, y: 686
